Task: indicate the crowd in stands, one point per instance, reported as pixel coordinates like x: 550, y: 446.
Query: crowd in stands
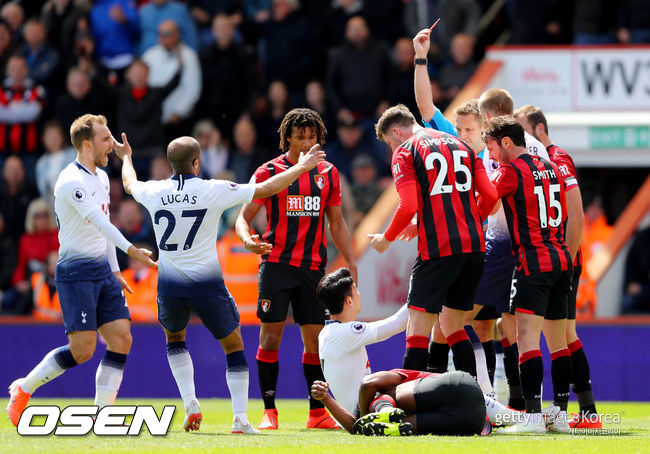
x: 226, y: 72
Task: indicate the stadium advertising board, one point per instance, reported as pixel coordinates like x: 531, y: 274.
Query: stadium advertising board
x: 384, y: 278
x: 564, y: 79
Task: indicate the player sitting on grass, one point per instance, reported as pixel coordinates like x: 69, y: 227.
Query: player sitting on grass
x: 345, y: 360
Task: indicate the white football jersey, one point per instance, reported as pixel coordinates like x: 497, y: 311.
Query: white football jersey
x: 185, y: 211
x: 497, y: 235
x: 343, y: 356
x: 81, y: 204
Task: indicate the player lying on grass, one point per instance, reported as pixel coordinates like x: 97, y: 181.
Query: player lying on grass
x: 403, y: 402
x: 342, y: 345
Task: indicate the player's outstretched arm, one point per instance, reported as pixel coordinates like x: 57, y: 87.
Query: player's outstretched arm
x: 423, y: 95
x: 342, y: 238
x: 282, y: 180
x: 142, y: 255
x: 125, y: 153
x: 243, y: 230
x: 320, y: 391
x: 406, y: 209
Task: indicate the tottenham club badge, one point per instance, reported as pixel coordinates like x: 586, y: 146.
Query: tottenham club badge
x: 265, y: 305
x: 320, y: 181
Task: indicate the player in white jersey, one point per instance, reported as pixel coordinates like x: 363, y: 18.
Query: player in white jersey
x: 87, y: 274
x: 185, y: 211
x: 341, y: 343
x: 344, y: 360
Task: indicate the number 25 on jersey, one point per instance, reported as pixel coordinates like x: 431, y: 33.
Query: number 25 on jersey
x: 459, y: 168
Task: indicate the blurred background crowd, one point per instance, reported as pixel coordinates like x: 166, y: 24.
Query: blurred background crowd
x: 226, y: 72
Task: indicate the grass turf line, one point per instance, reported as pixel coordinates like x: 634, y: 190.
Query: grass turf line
x: 293, y: 437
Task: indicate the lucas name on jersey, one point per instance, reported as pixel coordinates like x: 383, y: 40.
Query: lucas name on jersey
x: 169, y: 199
x: 303, y: 205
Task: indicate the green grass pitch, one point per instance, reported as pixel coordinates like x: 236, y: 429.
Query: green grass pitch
x: 292, y: 437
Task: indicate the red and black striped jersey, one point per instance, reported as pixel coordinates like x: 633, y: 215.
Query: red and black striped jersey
x: 410, y: 375
x: 534, y: 202
x: 568, y: 173
x: 443, y: 168
x: 295, y: 217
x: 19, y: 134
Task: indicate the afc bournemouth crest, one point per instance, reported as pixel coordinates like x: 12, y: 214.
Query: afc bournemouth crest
x: 265, y: 305
x: 320, y: 181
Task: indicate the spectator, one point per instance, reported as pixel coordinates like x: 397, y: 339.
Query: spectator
x: 351, y: 142
x: 540, y: 22
x: 230, y: 74
x: 40, y: 238
x: 246, y: 157
x: 204, y: 11
x: 116, y: 193
x: 79, y: 98
x: 456, y: 16
x: 58, y: 154
x: 275, y: 106
x: 383, y: 18
x: 115, y: 27
x: 7, y: 258
x: 160, y: 168
x: 7, y: 45
x: 358, y: 76
x: 164, y: 61
x: 14, y: 15
x: 365, y: 187
x: 633, y: 22
x: 144, y: 283
x: 155, y: 13
x: 84, y: 58
x: 60, y: 18
x: 46, y: 298
x: 258, y: 11
x: 134, y: 226
x: 455, y: 74
x: 402, y: 80
x: 595, y: 235
x: 594, y: 21
x: 333, y: 23
x: 214, y: 154
x: 139, y: 109
x: 21, y: 105
x: 42, y: 60
x: 15, y: 195
x: 287, y: 46
x: 316, y: 100
x: 637, y: 274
